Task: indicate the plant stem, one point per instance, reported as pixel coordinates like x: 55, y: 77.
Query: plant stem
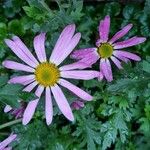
x: 10, y: 123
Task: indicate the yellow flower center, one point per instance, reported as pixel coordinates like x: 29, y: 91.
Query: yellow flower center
x: 105, y: 50
x: 47, y: 74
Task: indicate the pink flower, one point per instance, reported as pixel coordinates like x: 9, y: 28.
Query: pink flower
x: 107, y: 50
x: 17, y: 112
x: 47, y: 74
x: 7, y: 141
x: 77, y: 104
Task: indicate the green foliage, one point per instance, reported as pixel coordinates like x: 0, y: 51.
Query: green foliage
x: 119, y: 116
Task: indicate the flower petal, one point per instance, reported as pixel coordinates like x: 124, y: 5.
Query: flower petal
x: 67, y: 50
x: 11, y: 44
x: 30, y: 87
x: 82, y: 53
x: 39, y: 91
x: 126, y: 55
x: 22, y: 79
x: 79, y: 92
x: 104, y: 29
x: 62, y: 102
x: 48, y: 107
x: 23, y: 47
x: 116, y: 62
x: 105, y: 68
x: 62, y: 42
x: 7, y: 141
x: 39, y: 46
x: 7, y: 108
x: 76, y: 65
x: 87, y: 56
x: 130, y: 42
x: 121, y: 33
x: 29, y: 111
x: 76, y: 74
x: 17, y: 66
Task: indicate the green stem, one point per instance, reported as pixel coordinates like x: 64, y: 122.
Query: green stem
x: 10, y: 123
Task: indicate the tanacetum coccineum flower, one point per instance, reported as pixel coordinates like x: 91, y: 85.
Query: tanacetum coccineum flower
x: 7, y: 141
x: 47, y: 75
x: 107, y: 50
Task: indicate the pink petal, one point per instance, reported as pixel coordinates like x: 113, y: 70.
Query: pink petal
x: 79, y: 92
x: 130, y: 42
x: 76, y: 74
x: 126, y: 60
x: 48, y: 107
x: 62, y: 42
x: 23, y: 47
x: 89, y: 58
x: 105, y: 67
x: 30, y: 87
x: 121, y: 33
x: 116, y: 62
x: 67, y: 50
x: 62, y: 102
x: 7, y: 108
x: 29, y: 111
x: 39, y: 46
x: 76, y: 65
x: 126, y: 55
x: 17, y: 66
x: 82, y: 53
x: 13, y: 46
x: 39, y: 91
x: 8, y: 148
x: 22, y: 79
x: 7, y: 141
x: 104, y: 29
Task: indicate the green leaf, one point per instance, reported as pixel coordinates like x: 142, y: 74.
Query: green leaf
x: 3, y: 80
x: 9, y: 94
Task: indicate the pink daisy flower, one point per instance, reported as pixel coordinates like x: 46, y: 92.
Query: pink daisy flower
x: 7, y: 141
x: 109, y: 49
x: 47, y: 75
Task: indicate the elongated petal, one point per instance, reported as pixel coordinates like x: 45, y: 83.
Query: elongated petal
x: 121, y: 33
x: 11, y: 44
x: 116, y: 62
x: 76, y: 74
x: 8, y: 148
x: 79, y: 92
x: 62, y: 42
x: 23, y: 47
x: 48, y: 106
x: 105, y: 67
x: 17, y: 66
x: 30, y: 87
x: 82, y: 53
x: 130, y: 42
x: 124, y: 59
x: 39, y: 90
x: 7, y: 108
x: 87, y: 56
x: 7, y: 141
x: 39, y: 46
x: 29, y: 111
x: 22, y: 79
x: 62, y: 102
x: 76, y: 65
x: 67, y: 50
x: 127, y: 55
x: 104, y: 29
